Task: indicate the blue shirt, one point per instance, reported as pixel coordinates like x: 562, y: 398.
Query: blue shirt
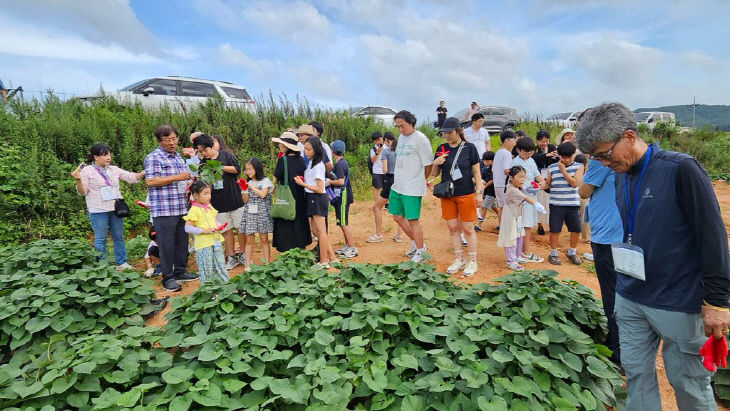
x: 603, y: 215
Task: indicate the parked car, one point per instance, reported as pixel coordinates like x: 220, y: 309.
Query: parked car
x: 496, y: 118
x: 651, y: 118
x: 565, y: 120
x: 382, y: 115
x: 181, y: 93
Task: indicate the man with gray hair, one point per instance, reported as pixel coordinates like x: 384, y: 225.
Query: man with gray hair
x: 673, y: 279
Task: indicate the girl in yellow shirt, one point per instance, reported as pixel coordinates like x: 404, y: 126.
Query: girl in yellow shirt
x: 200, y: 222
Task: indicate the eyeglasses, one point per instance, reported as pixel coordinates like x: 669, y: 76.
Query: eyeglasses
x: 168, y: 139
x: 607, y: 154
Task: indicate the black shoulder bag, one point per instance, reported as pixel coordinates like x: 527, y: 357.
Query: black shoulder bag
x: 445, y: 188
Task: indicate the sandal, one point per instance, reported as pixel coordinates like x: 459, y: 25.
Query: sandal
x: 397, y: 239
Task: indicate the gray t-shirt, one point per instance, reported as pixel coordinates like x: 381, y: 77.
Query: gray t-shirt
x: 389, y: 156
x: 414, y: 153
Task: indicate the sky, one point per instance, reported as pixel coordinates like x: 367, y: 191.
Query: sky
x: 538, y: 56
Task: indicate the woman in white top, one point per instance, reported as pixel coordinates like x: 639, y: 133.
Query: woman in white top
x: 317, y: 202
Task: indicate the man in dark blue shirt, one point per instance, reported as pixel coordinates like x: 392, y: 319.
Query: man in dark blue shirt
x: 673, y: 281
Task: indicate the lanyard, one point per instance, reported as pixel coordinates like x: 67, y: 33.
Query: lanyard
x: 631, y: 211
x: 103, y: 175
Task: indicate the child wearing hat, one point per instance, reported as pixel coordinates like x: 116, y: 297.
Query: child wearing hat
x: 342, y: 192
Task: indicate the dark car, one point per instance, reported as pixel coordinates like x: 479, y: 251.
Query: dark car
x: 496, y: 118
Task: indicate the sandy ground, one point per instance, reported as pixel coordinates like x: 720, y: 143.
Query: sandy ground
x: 490, y: 257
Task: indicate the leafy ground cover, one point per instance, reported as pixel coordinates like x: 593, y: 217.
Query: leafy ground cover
x: 369, y: 337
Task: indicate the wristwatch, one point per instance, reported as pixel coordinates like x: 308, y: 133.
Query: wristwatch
x: 480, y: 192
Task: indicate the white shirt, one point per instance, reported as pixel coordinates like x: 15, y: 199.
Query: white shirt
x: 413, y: 153
x: 312, y: 174
x: 378, y: 164
x: 479, y: 138
x: 502, y: 161
x: 531, y: 171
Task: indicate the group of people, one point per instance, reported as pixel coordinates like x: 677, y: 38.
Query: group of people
x: 657, y: 236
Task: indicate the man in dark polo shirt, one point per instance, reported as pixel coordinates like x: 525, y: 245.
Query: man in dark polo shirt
x: 673, y: 281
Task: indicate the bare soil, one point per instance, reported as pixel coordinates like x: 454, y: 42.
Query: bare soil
x: 490, y: 257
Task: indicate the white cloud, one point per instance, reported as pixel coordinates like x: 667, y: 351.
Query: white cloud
x: 105, y: 22
x: 293, y: 22
x: 28, y: 40
x: 232, y: 56
x: 611, y: 60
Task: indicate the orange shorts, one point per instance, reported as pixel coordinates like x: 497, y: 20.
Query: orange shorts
x: 462, y: 207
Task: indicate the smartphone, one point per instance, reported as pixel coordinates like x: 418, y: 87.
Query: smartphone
x: 81, y: 166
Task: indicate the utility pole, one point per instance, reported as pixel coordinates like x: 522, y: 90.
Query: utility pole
x: 694, y: 108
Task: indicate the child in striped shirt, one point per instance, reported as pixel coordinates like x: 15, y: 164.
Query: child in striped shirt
x: 564, y: 178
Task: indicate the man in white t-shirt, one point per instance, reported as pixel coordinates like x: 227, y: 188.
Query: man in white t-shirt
x: 415, y: 157
x: 501, y: 166
x: 477, y: 135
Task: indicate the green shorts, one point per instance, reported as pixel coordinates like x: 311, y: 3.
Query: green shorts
x: 403, y: 205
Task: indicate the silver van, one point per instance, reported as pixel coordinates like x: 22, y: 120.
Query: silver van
x: 182, y: 93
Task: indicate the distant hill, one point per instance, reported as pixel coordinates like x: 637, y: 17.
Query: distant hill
x: 715, y: 116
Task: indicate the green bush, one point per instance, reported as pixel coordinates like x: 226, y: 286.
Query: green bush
x: 54, y: 288
x: 283, y: 336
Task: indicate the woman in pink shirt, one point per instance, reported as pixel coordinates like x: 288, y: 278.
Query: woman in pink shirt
x: 99, y: 183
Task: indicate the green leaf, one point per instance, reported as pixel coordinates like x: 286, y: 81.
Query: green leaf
x: 24, y: 390
x: 233, y: 385
x: 227, y: 307
x: 331, y: 321
x: 210, y: 397
x: 412, y: 403
x: 323, y: 337
x: 107, y: 399
x: 36, y: 324
x: 209, y: 352
x: 172, y: 340
x: 177, y: 374
x: 181, y: 403
x: 406, y: 361
x: 375, y: 376
x: 85, y: 368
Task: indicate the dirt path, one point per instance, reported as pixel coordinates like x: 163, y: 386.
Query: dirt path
x: 490, y: 257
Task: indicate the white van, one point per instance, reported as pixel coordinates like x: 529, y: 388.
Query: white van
x: 181, y: 93
x: 651, y: 118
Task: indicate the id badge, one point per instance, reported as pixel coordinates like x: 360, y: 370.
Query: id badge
x: 253, y: 208
x: 182, y: 187
x: 218, y: 185
x: 456, y: 174
x: 107, y: 193
x: 629, y: 259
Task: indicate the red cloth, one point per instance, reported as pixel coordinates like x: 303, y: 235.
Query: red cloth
x: 714, y: 353
x: 243, y: 184
x: 281, y: 153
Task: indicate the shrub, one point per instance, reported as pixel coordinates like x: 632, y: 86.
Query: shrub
x: 54, y: 288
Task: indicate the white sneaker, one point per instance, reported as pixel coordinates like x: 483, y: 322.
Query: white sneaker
x: 470, y: 269
x: 350, y: 252
x: 418, y: 255
x: 463, y: 240
x: 412, y: 251
x: 232, y: 262
x: 455, y: 266
x: 588, y: 256
x: 124, y: 266
x: 342, y: 249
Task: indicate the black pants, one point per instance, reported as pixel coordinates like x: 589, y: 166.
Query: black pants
x: 172, y: 241
x: 603, y: 259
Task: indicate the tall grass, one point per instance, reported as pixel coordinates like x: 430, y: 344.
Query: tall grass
x: 44, y: 141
